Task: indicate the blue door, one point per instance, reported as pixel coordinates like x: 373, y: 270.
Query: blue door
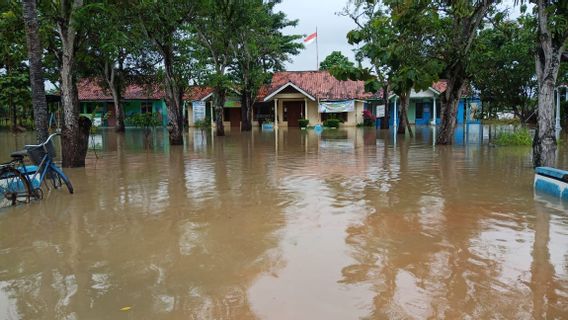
x: 426, y: 113
x: 422, y: 113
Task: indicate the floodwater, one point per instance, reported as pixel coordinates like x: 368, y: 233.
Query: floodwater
x: 347, y: 225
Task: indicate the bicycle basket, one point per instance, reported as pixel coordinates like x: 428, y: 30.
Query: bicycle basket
x: 36, y: 154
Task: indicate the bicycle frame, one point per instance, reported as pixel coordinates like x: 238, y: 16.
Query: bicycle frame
x: 43, y: 168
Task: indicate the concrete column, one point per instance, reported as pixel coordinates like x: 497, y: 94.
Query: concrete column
x: 305, y: 108
x: 434, y: 111
x: 275, y: 112
x: 212, y: 115
x: 394, y: 123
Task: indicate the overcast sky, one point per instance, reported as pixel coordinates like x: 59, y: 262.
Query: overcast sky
x: 332, y: 28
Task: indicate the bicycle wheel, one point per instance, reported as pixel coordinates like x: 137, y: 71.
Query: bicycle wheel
x: 58, y: 176
x: 14, y: 187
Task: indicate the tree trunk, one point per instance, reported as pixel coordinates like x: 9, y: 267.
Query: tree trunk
x: 219, y: 102
x: 114, y: 85
x: 547, y: 58
x: 544, y: 142
x: 174, y: 101
x: 246, y: 110
x: 36, y: 70
x: 14, y: 114
x: 118, y: 110
x: 449, y: 101
x: 75, y: 131
x: 404, y: 123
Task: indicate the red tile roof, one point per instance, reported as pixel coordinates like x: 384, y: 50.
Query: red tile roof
x: 319, y: 84
x: 90, y: 89
x: 197, y: 93
x: 440, y: 86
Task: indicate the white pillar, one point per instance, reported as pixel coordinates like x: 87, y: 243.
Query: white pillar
x: 558, y: 128
x: 212, y: 115
x: 434, y: 111
x: 395, y: 114
x: 275, y: 112
x: 305, y: 108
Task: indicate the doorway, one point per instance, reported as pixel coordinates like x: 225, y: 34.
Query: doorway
x: 293, y: 112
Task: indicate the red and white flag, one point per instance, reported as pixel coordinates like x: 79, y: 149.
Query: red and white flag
x: 311, y: 38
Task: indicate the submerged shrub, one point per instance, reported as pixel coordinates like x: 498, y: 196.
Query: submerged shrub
x: 521, y: 137
x: 205, y: 123
x: 331, y: 123
x: 303, y: 123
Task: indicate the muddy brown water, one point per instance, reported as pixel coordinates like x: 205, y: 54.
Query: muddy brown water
x: 346, y: 225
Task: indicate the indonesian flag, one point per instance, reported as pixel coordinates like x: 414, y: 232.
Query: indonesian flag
x: 309, y: 39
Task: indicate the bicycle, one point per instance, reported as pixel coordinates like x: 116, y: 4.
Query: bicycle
x: 42, y: 156
x: 19, y: 183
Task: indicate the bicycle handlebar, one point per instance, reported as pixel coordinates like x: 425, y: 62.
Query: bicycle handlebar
x: 45, y: 142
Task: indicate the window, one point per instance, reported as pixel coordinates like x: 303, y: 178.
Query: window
x: 146, y: 107
x: 338, y: 115
x: 226, y: 114
x: 419, y: 110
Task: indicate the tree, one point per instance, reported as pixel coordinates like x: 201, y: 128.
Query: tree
x: 14, y: 78
x: 114, y: 41
x: 397, y: 55
x: 66, y: 36
x: 167, y: 25
x: 215, y: 31
x: 260, y: 48
x: 336, y: 58
x: 35, y: 51
x: 552, y: 35
x: 502, y: 67
x: 454, y: 31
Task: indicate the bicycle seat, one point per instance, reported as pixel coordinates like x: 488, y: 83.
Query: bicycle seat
x: 19, y: 155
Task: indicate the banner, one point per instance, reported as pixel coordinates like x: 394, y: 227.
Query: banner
x: 336, y: 106
x: 198, y: 110
x: 380, y: 111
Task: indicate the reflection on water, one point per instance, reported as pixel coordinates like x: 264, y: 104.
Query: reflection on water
x: 289, y: 225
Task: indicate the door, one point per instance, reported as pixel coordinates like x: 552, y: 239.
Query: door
x: 426, y: 114
x: 293, y: 112
x: 235, y: 116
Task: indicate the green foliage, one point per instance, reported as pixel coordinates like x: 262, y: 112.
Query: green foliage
x: 514, y: 121
x: 336, y: 59
x: 332, y: 123
x: 259, y: 47
x: 205, y: 123
x: 397, y: 53
x: 519, y: 137
x: 147, y: 121
x: 303, y: 123
x: 502, y: 67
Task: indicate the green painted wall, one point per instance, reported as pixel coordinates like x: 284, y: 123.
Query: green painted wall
x: 131, y: 107
x: 412, y: 112
x: 159, y: 106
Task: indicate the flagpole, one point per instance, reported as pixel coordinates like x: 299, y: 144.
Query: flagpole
x: 317, y: 51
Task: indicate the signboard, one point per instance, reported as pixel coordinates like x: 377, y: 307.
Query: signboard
x: 336, y: 106
x: 380, y: 111
x: 198, y: 110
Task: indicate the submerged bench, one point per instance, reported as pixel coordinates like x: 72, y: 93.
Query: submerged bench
x: 551, y: 181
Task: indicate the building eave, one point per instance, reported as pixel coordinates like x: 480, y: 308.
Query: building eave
x: 289, y: 84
